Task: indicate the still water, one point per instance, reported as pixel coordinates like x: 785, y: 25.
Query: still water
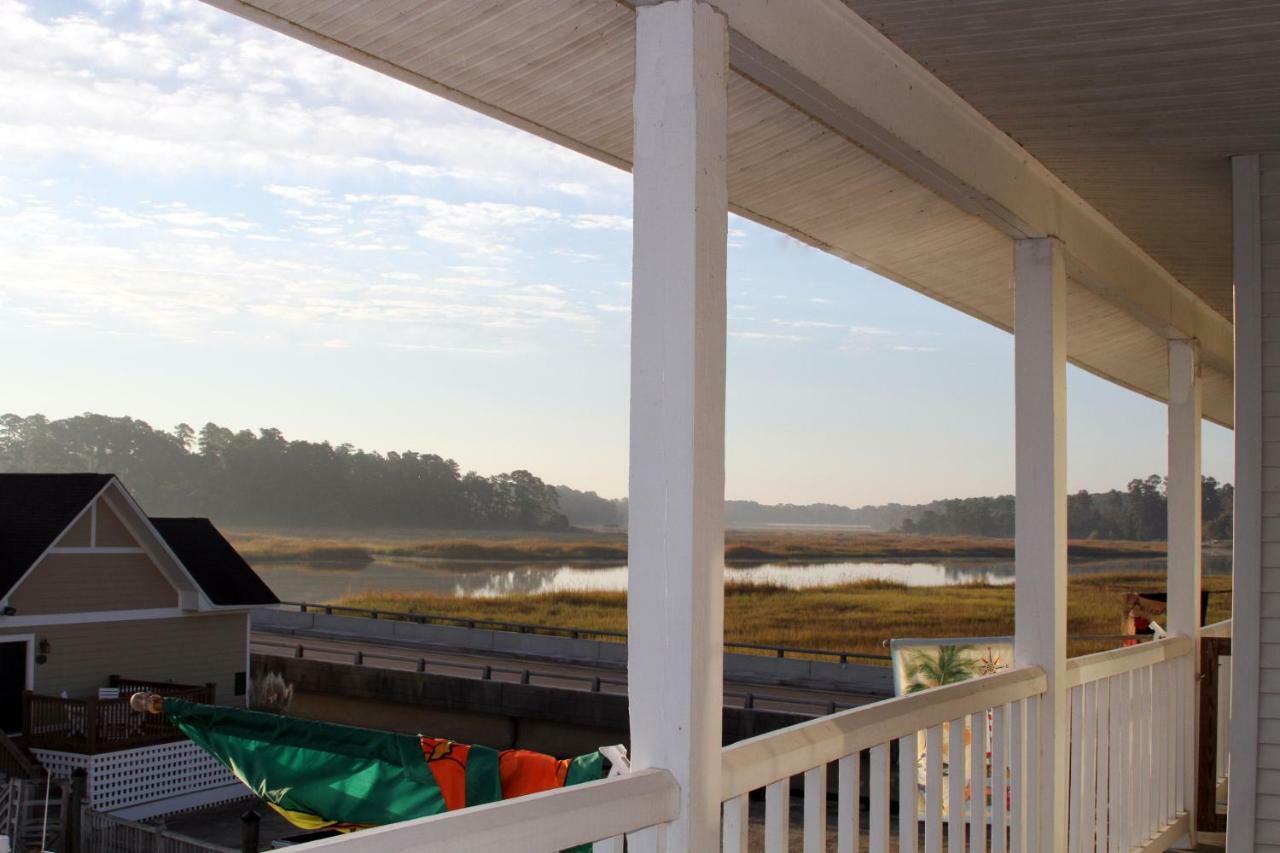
x: 327, y: 581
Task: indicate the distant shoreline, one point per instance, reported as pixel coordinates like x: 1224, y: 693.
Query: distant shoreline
x: 741, y: 546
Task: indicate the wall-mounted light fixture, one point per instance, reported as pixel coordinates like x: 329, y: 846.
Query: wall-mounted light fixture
x: 42, y: 650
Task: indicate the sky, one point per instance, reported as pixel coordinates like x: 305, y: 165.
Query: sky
x: 202, y: 220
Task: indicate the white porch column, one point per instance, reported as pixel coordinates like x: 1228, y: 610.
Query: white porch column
x: 1249, y: 557
x: 1183, y: 488
x: 1040, y: 568
x: 675, y: 606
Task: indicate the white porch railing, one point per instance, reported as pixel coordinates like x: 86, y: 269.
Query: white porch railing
x: 1001, y: 706
x: 1131, y: 717
x: 966, y: 755
x: 601, y: 812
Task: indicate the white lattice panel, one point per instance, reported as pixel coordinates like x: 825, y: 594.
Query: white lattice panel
x: 133, y: 776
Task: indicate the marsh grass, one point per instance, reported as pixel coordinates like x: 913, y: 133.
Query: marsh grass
x: 856, y: 617
x: 741, y: 546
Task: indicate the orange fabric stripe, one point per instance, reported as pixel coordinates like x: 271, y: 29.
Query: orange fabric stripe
x: 448, y: 763
x: 525, y: 772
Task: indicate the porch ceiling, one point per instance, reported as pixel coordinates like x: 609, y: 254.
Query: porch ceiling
x: 1135, y: 104
x: 563, y: 69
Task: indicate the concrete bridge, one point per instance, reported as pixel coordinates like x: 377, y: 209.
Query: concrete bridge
x: 555, y: 694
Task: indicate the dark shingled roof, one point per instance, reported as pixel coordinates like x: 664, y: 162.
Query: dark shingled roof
x: 214, y: 564
x: 34, y: 509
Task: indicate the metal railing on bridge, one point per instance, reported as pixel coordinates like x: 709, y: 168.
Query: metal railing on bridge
x: 515, y: 675
x: 573, y: 633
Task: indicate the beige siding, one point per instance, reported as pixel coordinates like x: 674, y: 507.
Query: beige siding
x: 78, y: 535
x: 1267, y: 813
x: 192, y: 649
x: 111, y: 531
x: 76, y: 583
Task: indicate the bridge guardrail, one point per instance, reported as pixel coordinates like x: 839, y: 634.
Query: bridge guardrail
x: 595, y: 684
x: 560, y: 631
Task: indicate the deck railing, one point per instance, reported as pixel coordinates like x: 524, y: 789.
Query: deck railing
x: 15, y: 762
x: 1131, y: 724
x: 966, y: 756
x: 92, y: 726
x: 940, y: 738
x: 104, y: 833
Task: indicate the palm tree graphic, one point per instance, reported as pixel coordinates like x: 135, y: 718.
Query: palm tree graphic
x: 948, y: 666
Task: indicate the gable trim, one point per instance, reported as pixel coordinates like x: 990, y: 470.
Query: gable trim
x: 188, y: 599
x: 90, y: 618
x: 4, y: 599
x: 76, y: 549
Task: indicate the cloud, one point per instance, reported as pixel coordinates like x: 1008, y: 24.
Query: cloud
x: 576, y: 256
x: 181, y: 88
x: 169, y: 170
x: 807, y: 324
x: 767, y: 336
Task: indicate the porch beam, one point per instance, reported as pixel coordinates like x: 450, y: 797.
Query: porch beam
x: 1040, y: 537
x: 1184, y: 511
x: 830, y: 62
x: 675, y: 605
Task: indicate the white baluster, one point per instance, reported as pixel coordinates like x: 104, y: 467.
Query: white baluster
x: 1121, y: 705
x: 848, y: 812
x: 737, y: 816
x: 1104, y: 768
x: 1088, y: 785
x: 777, y: 817
x: 934, y: 760
x: 879, y: 823
x: 978, y: 782
x: 955, y: 786
x: 815, y: 810
x: 999, y: 779
x: 908, y: 793
x: 1075, y: 704
x: 1017, y: 776
x: 651, y: 839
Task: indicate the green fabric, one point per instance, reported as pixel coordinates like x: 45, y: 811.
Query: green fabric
x: 342, y: 774
x: 584, y: 768
x: 484, y: 781
x: 336, y: 773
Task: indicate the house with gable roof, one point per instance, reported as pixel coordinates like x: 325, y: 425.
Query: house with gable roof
x: 97, y: 600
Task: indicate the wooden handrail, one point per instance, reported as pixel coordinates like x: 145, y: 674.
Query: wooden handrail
x: 767, y: 758
x: 1087, y: 668
x: 15, y: 761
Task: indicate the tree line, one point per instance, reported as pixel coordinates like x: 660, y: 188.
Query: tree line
x: 1138, y: 513
x: 264, y: 479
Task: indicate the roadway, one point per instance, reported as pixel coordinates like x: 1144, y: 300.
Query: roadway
x: 536, y: 671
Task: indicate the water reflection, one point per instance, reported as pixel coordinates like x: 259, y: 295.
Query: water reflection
x: 326, y: 581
